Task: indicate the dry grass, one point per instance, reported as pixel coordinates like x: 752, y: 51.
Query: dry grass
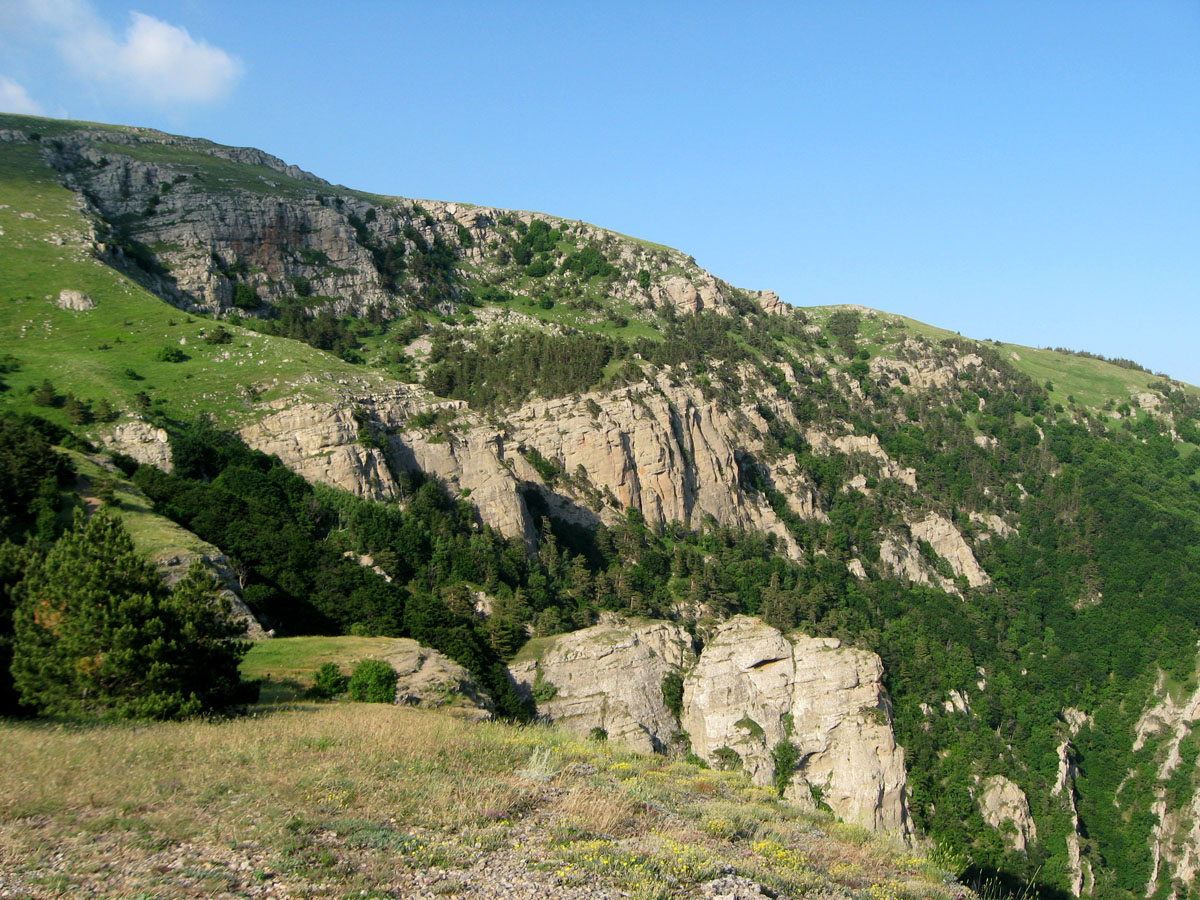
x: 339, y: 799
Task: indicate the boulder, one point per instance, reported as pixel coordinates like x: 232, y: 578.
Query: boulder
x: 428, y: 679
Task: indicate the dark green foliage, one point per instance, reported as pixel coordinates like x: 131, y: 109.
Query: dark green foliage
x: 219, y: 335
x: 325, y: 331
x: 170, y: 354
x: 785, y: 757
x: 79, y: 412
x: 245, y: 297
x: 843, y: 325
x: 672, y: 692
x: 373, y: 681
x: 31, y: 473
x: 327, y: 683
x: 643, y: 278
x: 97, y: 633
x: 588, y: 263
x: 46, y: 395
x: 540, y: 268
x: 727, y: 759
x: 500, y: 370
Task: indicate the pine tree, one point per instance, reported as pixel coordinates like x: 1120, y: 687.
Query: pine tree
x: 46, y: 395
x: 98, y: 633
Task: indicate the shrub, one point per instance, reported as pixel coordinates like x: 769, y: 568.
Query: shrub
x: 543, y: 690
x: 672, y: 692
x: 373, y: 681
x: 327, y: 683
x: 245, y: 297
x: 727, y: 759
x: 785, y: 756
x: 170, y: 354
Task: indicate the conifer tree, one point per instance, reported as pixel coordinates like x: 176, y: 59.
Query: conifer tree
x: 98, y: 633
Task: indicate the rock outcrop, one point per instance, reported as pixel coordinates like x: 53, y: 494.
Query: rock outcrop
x: 1006, y: 808
x: 76, y: 300
x: 948, y: 543
x: 175, y: 566
x: 431, y: 680
x: 753, y: 688
x: 1082, y: 878
x: 750, y: 689
x: 1175, y: 837
x: 660, y: 448
x: 141, y: 441
x: 610, y: 676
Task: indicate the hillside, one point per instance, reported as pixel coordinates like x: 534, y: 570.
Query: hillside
x: 363, y: 800
x: 529, y: 424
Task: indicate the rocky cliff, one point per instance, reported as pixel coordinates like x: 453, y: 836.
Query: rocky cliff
x: 750, y: 690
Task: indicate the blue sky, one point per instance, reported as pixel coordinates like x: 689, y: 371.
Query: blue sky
x: 1025, y: 171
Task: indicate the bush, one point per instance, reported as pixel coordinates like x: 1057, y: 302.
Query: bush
x: 327, y: 683
x: 245, y: 297
x: 785, y: 756
x: 373, y: 681
x: 171, y: 354
x: 672, y: 692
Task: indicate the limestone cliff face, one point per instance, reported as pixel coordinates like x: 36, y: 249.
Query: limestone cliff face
x: 274, y: 227
x: 1005, y: 807
x: 610, y: 676
x: 659, y: 448
x: 750, y: 688
x: 141, y: 441
x: 1082, y: 879
x: 1175, y: 838
x: 753, y: 687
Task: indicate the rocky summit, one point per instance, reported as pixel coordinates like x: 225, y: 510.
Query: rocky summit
x: 941, y: 588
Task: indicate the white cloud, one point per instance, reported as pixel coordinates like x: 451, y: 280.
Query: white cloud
x: 15, y: 99
x: 153, y: 61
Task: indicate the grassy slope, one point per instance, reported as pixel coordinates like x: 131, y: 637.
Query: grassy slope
x: 368, y: 800
x: 45, y: 254
x: 155, y: 537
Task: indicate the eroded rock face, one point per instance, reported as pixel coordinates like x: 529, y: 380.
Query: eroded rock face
x: 1000, y: 802
x: 660, y: 448
x: 428, y: 679
x: 1082, y: 878
x: 320, y: 442
x: 948, y: 543
x: 753, y: 687
x: 610, y: 676
x: 143, y: 442
x: 1175, y: 838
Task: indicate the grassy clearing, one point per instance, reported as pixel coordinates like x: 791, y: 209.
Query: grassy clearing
x: 1092, y: 382
x: 297, y: 658
x: 360, y: 799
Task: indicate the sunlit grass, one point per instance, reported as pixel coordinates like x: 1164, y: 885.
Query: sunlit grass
x: 347, y: 794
